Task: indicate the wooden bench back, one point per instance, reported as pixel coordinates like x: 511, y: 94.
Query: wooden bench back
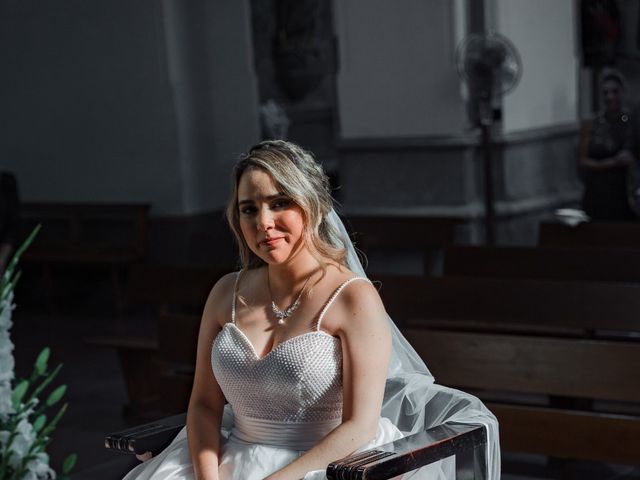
x: 560, y: 263
x: 593, y: 234
x: 566, y: 367
x: 178, y: 338
x: 177, y: 287
x: 177, y: 345
x: 518, y: 303
x: 386, y: 232
x: 89, y: 224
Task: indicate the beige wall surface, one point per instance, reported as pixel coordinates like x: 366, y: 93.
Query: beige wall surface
x: 544, y: 33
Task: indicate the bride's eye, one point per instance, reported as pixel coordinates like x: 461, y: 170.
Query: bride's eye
x: 281, y: 203
x: 247, y: 210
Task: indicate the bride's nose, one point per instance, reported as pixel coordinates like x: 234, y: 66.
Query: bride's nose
x: 265, y: 219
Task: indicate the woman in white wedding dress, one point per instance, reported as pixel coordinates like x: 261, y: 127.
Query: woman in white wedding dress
x: 299, y: 344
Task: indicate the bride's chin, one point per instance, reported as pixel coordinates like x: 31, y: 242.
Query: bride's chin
x: 272, y: 258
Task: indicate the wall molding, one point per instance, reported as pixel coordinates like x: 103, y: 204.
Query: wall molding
x: 459, y: 141
x: 473, y: 210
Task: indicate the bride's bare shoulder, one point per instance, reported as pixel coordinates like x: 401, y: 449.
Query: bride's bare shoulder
x: 358, y: 298
x: 217, y: 309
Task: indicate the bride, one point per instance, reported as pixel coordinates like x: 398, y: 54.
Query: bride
x: 300, y: 346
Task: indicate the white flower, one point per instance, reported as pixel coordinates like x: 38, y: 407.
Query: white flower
x: 6, y: 407
x: 24, y: 436
x: 6, y: 346
x: 8, y: 364
x: 39, y: 467
x: 5, y: 312
x: 22, y: 442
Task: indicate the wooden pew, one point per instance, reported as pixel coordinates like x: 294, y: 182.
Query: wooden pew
x: 157, y: 362
x: 531, y: 349
x: 511, y: 304
x: 177, y: 346
x: 559, y: 263
x: 182, y: 288
x: 87, y: 235
x: 379, y: 233
x: 605, y: 370
x: 591, y: 234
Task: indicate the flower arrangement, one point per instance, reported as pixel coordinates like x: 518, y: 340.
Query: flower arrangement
x: 25, y: 428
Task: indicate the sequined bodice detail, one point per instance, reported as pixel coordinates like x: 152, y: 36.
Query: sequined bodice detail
x: 300, y: 380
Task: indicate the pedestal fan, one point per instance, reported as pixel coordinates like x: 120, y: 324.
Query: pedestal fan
x: 490, y: 66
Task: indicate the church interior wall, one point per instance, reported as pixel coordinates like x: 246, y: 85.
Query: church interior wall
x: 86, y: 109
x: 547, y: 92
x: 111, y: 102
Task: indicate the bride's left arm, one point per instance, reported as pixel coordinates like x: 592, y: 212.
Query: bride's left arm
x: 360, y: 320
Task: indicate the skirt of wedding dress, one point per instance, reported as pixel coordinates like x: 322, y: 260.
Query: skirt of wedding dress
x: 248, y: 461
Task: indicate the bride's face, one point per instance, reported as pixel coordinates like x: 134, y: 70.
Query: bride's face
x: 271, y: 223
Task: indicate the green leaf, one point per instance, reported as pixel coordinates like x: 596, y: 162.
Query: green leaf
x: 52, y: 425
x: 9, y: 278
x: 26, y: 243
x: 56, y: 395
x: 41, y: 361
x: 69, y: 463
x: 18, y: 393
x: 39, y: 422
x: 47, y: 380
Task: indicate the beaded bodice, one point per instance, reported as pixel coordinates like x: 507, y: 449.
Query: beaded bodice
x: 299, y: 381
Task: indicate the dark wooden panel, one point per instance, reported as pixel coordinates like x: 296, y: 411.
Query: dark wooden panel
x: 551, y: 366
x: 164, y: 285
x: 75, y: 224
x: 550, y: 303
x: 598, y: 234
x: 178, y: 338
x: 586, y: 264
x: 382, y: 232
x: 567, y: 434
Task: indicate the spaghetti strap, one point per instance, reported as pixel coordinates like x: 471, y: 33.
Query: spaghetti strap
x: 334, y: 296
x: 233, y: 301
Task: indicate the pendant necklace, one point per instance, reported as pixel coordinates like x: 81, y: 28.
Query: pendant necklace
x: 287, y: 312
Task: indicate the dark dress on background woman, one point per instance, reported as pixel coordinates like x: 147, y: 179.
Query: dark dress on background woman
x: 605, y: 193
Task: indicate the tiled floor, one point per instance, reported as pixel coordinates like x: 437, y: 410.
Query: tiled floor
x: 96, y: 396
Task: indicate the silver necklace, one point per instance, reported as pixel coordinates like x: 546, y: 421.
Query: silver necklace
x: 287, y: 312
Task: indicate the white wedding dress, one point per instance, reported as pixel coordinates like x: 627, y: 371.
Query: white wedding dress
x: 280, y: 406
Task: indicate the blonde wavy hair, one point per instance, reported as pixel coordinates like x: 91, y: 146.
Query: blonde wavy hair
x: 303, y: 180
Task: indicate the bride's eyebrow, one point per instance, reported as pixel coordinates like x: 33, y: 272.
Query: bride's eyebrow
x: 268, y: 198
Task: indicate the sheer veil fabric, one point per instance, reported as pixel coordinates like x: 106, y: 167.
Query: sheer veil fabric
x: 412, y: 400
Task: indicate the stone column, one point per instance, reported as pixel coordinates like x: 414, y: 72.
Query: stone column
x: 215, y: 94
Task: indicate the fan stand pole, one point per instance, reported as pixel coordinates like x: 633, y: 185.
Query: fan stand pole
x: 487, y: 163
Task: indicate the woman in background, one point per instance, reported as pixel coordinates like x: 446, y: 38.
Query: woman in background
x: 606, y: 152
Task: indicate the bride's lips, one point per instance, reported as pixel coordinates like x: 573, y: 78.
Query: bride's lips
x: 269, y: 242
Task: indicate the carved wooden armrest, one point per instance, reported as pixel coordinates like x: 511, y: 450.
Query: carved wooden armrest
x: 151, y: 437
x: 466, y: 442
